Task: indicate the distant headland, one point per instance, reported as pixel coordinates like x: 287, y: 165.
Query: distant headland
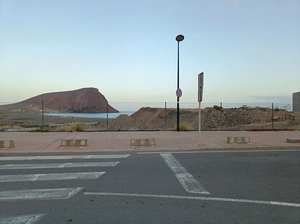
x: 85, y: 100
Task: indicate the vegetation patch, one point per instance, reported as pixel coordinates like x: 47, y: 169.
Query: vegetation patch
x: 77, y: 127
x: 184, y: 127
x: 40, y: 130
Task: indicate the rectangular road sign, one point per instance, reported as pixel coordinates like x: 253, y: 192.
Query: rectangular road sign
x: 200, y: 86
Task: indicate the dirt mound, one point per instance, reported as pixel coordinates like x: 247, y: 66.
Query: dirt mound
x: 123, y: 122
x: 212, y: 118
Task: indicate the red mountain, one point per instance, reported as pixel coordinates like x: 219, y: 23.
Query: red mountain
x: 86, y: 100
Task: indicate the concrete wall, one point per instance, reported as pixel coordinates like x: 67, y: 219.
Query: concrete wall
x: 296, y: 101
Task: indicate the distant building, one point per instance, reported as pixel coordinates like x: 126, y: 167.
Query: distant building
x: 296, y: 101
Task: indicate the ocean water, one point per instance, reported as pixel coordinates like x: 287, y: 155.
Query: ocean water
x: 91, y: 115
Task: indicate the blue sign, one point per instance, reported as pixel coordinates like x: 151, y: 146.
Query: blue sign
x: 179, y: 92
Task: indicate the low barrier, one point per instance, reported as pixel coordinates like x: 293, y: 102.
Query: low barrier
x: 73, y: 142
x: 7, y: 144
x: 238, y: 140
x: 293, y: 140
x: 142, y: 142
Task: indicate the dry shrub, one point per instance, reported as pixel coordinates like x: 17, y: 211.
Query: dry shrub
x: 74, y: 127
x: 77, y: 127
x: 184, y: 127
x: 64, y: 128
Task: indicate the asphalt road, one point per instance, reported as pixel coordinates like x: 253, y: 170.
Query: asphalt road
x: 227, y: 187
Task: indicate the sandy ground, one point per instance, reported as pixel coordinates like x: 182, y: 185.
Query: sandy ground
x: 23, y: 120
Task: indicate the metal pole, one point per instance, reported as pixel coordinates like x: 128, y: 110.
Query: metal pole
x: 199, y: 139
x: 178, y: 86
x: 42, y: 113
x: 165, y: 114
x: 272, y: 117
x: 106, y: 115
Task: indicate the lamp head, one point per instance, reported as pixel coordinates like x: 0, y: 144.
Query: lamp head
x: 179, y: 38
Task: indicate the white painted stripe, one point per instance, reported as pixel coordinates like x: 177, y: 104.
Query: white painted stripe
x: 195, y: 198
x: 50, y: 176
x: 24, y: 219
x: 39, y: 194
x: 57, y: 165
x: 120, y: 156
x: 187, y: 180
x: 219, y: 150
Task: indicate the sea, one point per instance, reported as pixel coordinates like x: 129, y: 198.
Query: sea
x: 91, y: 115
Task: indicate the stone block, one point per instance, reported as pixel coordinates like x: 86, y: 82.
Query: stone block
x: 293, y: 140
x: 142, y: 142
x: 238, y: 140
x: 7, y: 144
x: 73, y: 142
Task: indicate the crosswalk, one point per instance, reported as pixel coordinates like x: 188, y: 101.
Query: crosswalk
x: 19, y: 164
x: 50, y: 176
x: 187, y: 180
x: 57, y: 165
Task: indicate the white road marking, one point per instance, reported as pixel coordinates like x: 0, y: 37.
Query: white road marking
x: 221, y: 151
x: 64, y: 157
x: 24, y: 219
x: 50, y: 176
x: 57, y: 165
x: 195, y: 198
x: 39, y: 194
x: 187, y: 180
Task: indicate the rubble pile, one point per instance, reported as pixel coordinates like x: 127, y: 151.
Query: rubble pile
x: 212, y: 118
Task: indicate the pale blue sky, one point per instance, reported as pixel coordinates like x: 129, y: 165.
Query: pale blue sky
x: 249, y: 50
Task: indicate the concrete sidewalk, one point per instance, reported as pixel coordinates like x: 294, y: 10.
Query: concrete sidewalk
x: 33, y: 142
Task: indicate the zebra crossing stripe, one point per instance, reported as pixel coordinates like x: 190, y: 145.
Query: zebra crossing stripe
x: 50, y: 176
x: 24, y: 219
x: 187, y: 180
x: 57, y: 165
x: 39, y: 194
x: 119, y: 156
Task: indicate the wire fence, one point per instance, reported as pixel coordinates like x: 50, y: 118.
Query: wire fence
x: 152, y: 116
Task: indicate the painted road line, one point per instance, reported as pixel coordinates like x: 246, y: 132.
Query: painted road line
x: 120, y: 156
x: 24, y: 219
x: 220, y: 151
x: 57, y: 165
x: 39, y: 194
x: 195, y: 198
x: 50, y: 176
x: 187, y: 180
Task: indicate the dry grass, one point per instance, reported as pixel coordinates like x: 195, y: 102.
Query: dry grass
x: 73, y: 128
x: 184, y: 127
x: 63, y: 128
x: 77, y: 127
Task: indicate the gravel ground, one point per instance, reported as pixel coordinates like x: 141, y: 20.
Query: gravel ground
x: 159, y: 119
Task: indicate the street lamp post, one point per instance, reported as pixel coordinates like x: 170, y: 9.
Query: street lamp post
x: 178, y: 39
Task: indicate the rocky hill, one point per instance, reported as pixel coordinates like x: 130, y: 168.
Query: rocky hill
x: 86, y: 100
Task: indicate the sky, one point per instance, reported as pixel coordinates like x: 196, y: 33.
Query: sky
x: 249, y: 50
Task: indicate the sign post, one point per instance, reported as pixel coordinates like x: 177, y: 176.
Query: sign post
x: 200, y: 95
